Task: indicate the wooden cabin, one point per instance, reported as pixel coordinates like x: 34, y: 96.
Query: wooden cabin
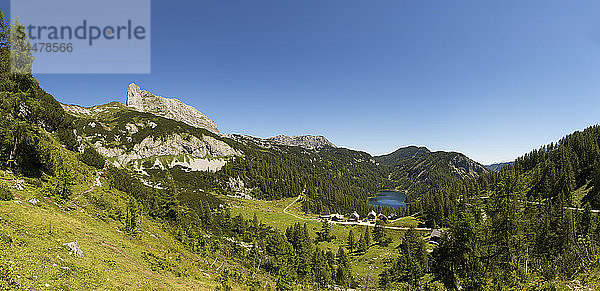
x: 372, y: 215
x: 383, y: 218
x: 354, y: 217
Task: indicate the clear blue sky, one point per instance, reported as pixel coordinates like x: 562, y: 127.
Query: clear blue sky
x: 491, y: 79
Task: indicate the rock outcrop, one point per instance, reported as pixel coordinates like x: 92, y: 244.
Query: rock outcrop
x: 176, y: 144
x: 145, y: 101
x: 305, y: 141
x: 466, y: 167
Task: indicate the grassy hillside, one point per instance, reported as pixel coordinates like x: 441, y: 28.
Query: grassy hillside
x: 33, y: 256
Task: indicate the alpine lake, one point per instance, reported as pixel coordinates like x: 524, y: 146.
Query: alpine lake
x: 389, y: 199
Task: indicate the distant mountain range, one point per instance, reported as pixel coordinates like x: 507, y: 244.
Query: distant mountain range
x: 498, y: 166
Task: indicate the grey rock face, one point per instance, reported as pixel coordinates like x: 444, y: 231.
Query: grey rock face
x: 305, y: 141
x: 173, y: 145
x: 467, y: 167
x: 145, y: 101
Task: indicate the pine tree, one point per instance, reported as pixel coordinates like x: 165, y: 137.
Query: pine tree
x: 64, y: 183
x: 131, y: 216
x: 411, y: 265
x: 169, y: 202
x: 21, y: 58
x: 325, y: 233
x: 378, y: 233
x: 367, y: 237
x: 362, y: 244
x: 585, y: 221
x: 343, y: 274
x: 255, y: 221
x: 285, y: 278
x: 351, y: 242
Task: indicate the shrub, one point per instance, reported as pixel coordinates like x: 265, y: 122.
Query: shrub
x: 67, y: 138
x: 91, y: 157
x: 5, y: 194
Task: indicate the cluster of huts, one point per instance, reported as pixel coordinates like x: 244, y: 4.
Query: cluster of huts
x: 354, y: 217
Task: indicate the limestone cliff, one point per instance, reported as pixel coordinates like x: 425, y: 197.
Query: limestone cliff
x: 145, y: 101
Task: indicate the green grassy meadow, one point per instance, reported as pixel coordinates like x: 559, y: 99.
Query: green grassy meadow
x: 365, y: 267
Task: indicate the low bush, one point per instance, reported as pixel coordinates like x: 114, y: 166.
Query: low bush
x: 5, y: 194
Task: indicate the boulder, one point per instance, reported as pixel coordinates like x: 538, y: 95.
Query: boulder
x: 19, y: 185
x: 75, y: 249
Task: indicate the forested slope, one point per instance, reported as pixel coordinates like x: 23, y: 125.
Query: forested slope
x: 528, y: 226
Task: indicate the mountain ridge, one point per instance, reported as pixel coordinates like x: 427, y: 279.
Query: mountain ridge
x: 305, y: 141
x: 413, y: 165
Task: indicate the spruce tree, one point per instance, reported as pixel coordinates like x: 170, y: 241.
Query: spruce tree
x: 131, y: 216
x: 367, y: 236
x: 585, y: 221
x: 351, y: 242
x: 343, y: 273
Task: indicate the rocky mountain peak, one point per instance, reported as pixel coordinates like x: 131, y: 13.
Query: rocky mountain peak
x: 305, y: 141
x: 145, y: 101
x: 134, y: 96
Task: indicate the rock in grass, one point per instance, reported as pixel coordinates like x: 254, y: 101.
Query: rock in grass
x: 74, y: 247
x: 19, y: 185
x: 33, y: 201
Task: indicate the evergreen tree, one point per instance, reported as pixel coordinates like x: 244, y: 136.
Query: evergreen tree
x: 285, y: 279
x: 321, y: 269
x: 351, y: 242
x: 585, y: 221
x: 64, y: 184
x: 131, y: 216
x: 21, y: 58
x: 378, y: 231
x: 343, y: 274
x: 362, y: 244
x: 367, y: 237
x: 379, y: 234
x: 411, y: 265
x: 458, y: 261
x: 325, y: 233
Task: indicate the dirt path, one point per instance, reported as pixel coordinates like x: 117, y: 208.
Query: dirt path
x: 97, y: 183
x: 294, y: 215
x: 542, y: 203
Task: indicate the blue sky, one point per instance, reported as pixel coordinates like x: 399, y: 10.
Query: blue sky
x: 491, y: 79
